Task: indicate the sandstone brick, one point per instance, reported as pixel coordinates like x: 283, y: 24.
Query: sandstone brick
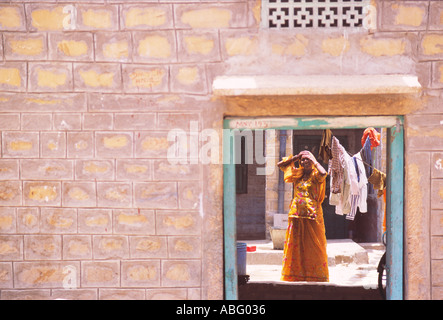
x: 146, y: 16
x: 79, y: 194
x: 9, y: 169
x: 53, y: 144
x: 178, y: 223
x: 50, y: 77
x: 133, y: 221
x: 379, y: 47
x: 298, y: 45
x: 43, y: 247
x: 211, y: 16
x: 8, y: 220
x: 166, y: 294
x: 11, y: 248
x: 5, y: 276
x: 110, y: 247
x: 189, y: 195
x: 58, y: 220
x: 409, y: 15
x: 76, y: 46
x: 151, y: 144
x: 437, y: 272
x: 97, y: 121
x: 435, y: 13
x: 148, y: 247
x: 431, y: 46
x: 66, y: 121
x: 162, y: 195
x: 141, y: 78
x: 10, y: 122
x: 169, y: 121
x: 113, y: 47
x: 135, y: 121
x: 239, y: 45
x: 13, y: 77
x: 437, y: 75
x: 141, y: 273
x: 28, y: 220
x: 48, y: 18
x: 99, y: 17
x: 198, y: 46
x: 80, y: 144
x: 114, y: 144
x: 94, y: 169
x: 10, y: 193
x: 74, y: 294
x: 424, y: 132
x: 437, y: 194
x: 188, y: 79
x: 181, y: 273
x: 437, y: 222
x: 335, y: 46
x: 36, y: 122
x: 95, y: 221
x: 437, y: 247
x: 25, y: 46
x: 114, y: 194
x: 154, y: 46
x: 133, y: 170
x: 123, y: 103
x: 12, y: 18
x: 76, y: 247
x: 122, y: 294
x: 184, y: 247
x: 47, y: 169
x: 54, y: 274
x: 164, y: 170
x: 32, y: 294
x: 101, y: 77
x: 437, y: 293
x: 43, y: 102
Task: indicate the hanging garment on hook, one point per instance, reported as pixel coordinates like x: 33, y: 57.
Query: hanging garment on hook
x: 373, y: 135
x: 325, y: 152
x: 335, y: 168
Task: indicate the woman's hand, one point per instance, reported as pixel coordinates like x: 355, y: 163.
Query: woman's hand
x: 288, y: 161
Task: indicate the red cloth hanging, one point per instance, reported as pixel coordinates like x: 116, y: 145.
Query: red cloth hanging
x: 374, y: 137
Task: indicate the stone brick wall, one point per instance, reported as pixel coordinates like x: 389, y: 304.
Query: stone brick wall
x: 88, y: 93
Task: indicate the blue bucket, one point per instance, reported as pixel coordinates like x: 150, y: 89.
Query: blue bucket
x: 241, y: 258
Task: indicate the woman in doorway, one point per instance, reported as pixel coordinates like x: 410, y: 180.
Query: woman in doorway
x: 304, y: 255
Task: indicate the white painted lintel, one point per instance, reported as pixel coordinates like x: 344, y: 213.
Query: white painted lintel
x: 315, y: 85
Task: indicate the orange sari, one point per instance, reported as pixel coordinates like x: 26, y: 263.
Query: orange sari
x: 304, y: 255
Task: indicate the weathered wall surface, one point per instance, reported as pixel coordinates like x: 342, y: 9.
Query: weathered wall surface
x: 88, y: 93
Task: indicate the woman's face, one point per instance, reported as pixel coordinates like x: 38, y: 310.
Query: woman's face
x: 306, y: 164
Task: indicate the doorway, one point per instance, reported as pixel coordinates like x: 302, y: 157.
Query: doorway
x: 394, y: 198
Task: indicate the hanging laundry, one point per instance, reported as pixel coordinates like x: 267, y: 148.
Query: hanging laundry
x: 325, y: 153
x: 335, y: 169
x: 378, y: 180
x: 373, y: 135
x: 362, y: 185
x: 351, y: 191
x: 366, y: 156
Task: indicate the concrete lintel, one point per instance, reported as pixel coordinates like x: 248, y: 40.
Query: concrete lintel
x: 314, y: 85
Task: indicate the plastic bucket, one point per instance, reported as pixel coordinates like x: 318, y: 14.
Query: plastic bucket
x: 241, y: 258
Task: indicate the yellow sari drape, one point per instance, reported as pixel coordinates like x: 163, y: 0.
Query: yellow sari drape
x: 304, y: 256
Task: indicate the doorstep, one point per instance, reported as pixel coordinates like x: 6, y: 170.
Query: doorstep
x: 340, y: 251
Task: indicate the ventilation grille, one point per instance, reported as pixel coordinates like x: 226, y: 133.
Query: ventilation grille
x: 302, y: 14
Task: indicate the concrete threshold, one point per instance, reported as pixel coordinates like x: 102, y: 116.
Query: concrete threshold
x: 350, y: 264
